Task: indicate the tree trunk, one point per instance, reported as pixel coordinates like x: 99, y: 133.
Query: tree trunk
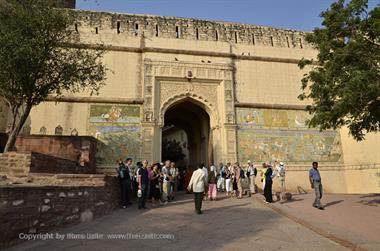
x: 16, y: 130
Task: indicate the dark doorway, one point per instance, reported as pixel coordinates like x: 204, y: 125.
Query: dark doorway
x: 188, y: 125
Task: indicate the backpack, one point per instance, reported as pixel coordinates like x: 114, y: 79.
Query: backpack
x: 255, y: 171
x: 242, y: 175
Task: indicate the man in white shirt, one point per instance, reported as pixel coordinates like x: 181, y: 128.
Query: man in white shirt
x: 252, y: 177
x: 197, y: 184
x: 166, y: 181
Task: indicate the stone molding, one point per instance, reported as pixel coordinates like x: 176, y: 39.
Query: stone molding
x: 185, y: 52
x: 94, y: 100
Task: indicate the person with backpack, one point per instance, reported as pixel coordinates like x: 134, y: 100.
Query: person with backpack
x: 125, y: 183
x: 251, y: 174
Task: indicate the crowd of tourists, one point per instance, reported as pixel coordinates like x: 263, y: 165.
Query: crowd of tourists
x: 159, y: 182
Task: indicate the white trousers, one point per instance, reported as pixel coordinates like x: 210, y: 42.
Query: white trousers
x: 220, y: 184
x: 228, y: 185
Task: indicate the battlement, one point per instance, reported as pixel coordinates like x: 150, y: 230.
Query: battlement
x: 186, y: 28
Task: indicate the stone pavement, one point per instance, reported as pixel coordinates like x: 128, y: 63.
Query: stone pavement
x: 351, y: 219
x: 227, y: 224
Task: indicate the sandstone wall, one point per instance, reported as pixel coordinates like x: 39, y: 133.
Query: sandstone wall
x: 265, y: 75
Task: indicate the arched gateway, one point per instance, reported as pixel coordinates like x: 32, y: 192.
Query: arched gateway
x: 194, y: 98
x: 188, y: 122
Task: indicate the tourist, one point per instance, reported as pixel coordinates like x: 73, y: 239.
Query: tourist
x: 262, y: 175
x: 228, y: 180
x: 316, y: 183
x: 239, y: 175
x: 221, y: 178
x: 251, y: 175
x: 212, y: 184
x: 166, y: 181
x: 205, y: 171
x: 268, y: 184
x: 234, y: 181
x: 188, y: 174
x: 143, y: 181
x: 154, y: 194
x: 281, y: 178
x: 129, y: 167
x: 135, y: 184
x: 197, y: 185
x: 125, y: 184
x: 173, y: 173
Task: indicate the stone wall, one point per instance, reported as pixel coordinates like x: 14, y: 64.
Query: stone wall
x: 150, y: 26
x: 43, y: 163
x: 36, y: 209
x: 15, y: 164
x: 79, y: 149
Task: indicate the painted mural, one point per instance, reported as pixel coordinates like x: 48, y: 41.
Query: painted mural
x: 118, y: 128
x: 268, y: 135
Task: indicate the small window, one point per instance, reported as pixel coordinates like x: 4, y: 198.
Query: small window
x: 118, y: 27
x: 96, y: 30
x: 216, y: 36
x: 197, y: 33
x: 136, y: 29
x: 253, y: 39
x: 287, y: 42
x: 177, y: 32
x: 156, y: 30
x: 236, y: 38
x: 58, y: 130
x: 271, y: 41
x: 43, y: 130
x: 300, y: 41
x: 76, y: 28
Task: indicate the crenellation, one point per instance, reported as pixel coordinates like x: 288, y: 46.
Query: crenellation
x: 130, y: 25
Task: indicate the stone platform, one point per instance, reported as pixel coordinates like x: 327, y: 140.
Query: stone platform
x: 350, y: 219
x: 226, y: 224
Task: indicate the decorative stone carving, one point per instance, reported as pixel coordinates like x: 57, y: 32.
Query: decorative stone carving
x: 230, y: 118
x: 148, y: 116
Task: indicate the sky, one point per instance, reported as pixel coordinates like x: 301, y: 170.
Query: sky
x: 291, y: 14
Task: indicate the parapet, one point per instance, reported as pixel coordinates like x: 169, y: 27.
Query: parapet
x: 151, y: 26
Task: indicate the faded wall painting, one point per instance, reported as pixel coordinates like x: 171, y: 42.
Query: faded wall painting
x: 267, y: 135
x: 118, y: 128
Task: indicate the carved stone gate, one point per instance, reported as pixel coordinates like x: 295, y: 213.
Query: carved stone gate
x: 167, y: 83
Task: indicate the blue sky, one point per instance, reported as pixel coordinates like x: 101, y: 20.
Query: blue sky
x: 293, y: 14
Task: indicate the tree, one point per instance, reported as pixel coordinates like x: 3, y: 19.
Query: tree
x: 36, y: 59
x: 344, y: 81
x: 172, y: 150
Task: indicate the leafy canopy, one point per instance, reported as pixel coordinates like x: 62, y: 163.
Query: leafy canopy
x: 344, y: 81
x: 37, y: 58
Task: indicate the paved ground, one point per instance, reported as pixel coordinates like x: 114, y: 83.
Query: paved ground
x: 354, y: 218
x: 227, y: 224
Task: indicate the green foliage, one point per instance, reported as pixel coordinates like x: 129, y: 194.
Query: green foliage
x: 344, y: 81
x: 37, y: 59
x: 172, y: 150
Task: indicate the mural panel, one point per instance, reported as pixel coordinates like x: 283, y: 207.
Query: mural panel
x: 268, y: 134
x: 118, y: 128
